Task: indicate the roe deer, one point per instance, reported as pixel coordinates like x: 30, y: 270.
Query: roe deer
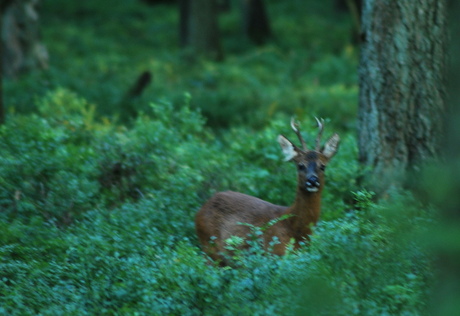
x: 221, y: 216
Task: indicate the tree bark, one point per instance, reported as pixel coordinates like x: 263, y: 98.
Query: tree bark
x: 21, y: 45
x: 402, y: 86
x: 199, y: 27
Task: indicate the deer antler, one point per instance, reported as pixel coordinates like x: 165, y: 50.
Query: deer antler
x: 320, y: 133
x: 296, y: 128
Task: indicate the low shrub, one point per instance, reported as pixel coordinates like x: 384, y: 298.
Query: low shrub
x: 97, y: 218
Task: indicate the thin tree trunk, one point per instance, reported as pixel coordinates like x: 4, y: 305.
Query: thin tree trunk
x: 3, y: 5
x: 199, y: 27
x: 256, y: 24
x: 184, y: 12
x: 402, y: 86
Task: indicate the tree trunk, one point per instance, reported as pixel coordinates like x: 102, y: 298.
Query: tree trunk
x: 21, y: 45
x: 402, y: 86
x: 256, y: 25
x: 3, y: 5
x: 199, y: 27
x: 352, y: 6
x: 184, y: 13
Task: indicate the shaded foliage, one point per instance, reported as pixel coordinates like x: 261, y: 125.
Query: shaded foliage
x: 130, y: 195
x: 306, y: 70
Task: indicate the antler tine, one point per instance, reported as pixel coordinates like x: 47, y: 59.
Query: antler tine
x: 296, y: 128
x: 320, y: 133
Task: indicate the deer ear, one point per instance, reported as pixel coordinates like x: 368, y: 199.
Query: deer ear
x: 287, y: 147
x: 331, y: 146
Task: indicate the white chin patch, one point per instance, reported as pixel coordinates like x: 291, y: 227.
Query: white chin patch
x: 312, y: 189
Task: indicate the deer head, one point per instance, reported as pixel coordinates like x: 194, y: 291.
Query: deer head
x: 310, y: 163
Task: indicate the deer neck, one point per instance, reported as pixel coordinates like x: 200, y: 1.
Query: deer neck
x: 305, y: 212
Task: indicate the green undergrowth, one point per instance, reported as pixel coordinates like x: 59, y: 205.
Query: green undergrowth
x: 97, y: 219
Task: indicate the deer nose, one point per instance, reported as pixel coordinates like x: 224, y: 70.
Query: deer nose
x: 312, y: 184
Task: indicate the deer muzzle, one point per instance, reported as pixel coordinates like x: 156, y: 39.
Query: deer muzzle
x: 312, y: 184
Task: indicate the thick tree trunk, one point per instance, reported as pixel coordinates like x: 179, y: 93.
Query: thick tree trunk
x: 199, y: 27
x: 21, y: 45
x: 402, y: 86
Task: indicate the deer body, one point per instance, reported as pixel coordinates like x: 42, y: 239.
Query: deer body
x: 221, y: 216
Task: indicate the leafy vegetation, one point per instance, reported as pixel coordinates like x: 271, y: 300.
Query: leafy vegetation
x: 98, y: 206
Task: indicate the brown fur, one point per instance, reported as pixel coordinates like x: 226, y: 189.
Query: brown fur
x: 219, y: 218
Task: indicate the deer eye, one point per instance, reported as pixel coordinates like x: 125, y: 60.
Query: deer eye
x: 301, y: 166
x: 322, y: 167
